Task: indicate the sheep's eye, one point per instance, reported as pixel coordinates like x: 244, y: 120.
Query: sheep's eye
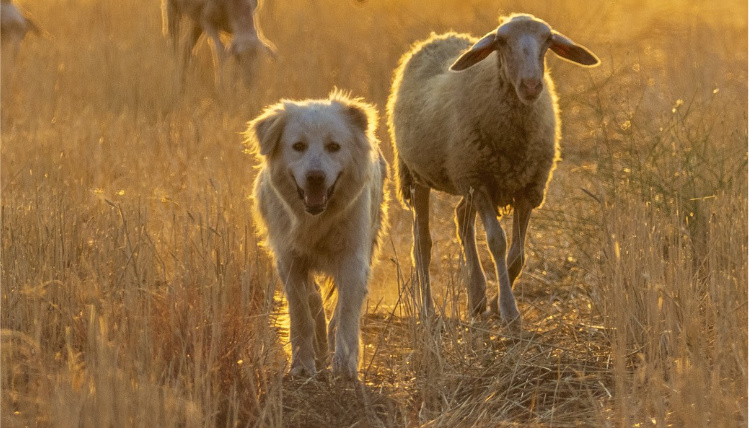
x: 299, y: 146
x: 333, y: 147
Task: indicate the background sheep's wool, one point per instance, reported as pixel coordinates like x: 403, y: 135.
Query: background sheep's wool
x: 134, y: 292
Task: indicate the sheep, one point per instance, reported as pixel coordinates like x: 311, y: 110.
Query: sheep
x: 236, y: 17
x: 15, y: 23
x: 479, y: 119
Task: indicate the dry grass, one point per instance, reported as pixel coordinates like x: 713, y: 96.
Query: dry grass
x: 134, y: 292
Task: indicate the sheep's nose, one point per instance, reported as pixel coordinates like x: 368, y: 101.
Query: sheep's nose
x: 532, y: 87
x: 315, y: 178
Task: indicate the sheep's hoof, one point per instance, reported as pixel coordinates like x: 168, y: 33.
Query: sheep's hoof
x: 324, y: 376
x: 345, y: 371
x: 428, y: 313
x: 300, y: 371
x: 493, y: 305
x: 513, y: 325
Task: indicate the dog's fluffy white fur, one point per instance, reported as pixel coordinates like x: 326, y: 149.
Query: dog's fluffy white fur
x: 319, y: 201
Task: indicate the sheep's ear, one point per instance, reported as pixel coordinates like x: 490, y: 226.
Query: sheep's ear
x: 571, y: 51
x: 264, y: 132
x: 477, y: 53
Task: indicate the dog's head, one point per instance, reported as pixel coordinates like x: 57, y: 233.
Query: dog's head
x: 315, y: 148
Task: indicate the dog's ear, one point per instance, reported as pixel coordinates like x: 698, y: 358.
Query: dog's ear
x: 264, y: 132
x: 358, y: 116
x: 358, y: 112
x: 362, y: 115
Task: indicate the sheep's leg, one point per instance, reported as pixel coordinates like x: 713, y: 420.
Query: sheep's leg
x: 465, y: 219
x: 405, y: 181
x: 422, y: 247
x: 497, y: 241
x: 219, y: 52
x: 516, y: 256
x: 16, y: 43
x: 192, y: 40
x: 321, y: 329
x: 171, y: 19
x: 295, y: 276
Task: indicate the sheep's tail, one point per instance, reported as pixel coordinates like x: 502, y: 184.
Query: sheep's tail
x: 405, y: 181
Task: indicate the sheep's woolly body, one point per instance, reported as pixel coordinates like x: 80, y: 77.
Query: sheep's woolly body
x: 458, y: 131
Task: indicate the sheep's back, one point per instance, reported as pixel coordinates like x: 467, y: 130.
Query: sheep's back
x: 434, y: 56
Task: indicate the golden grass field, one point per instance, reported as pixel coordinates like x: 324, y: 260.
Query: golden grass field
x: 134, y: 292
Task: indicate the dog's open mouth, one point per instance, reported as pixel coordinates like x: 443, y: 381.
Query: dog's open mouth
x: 316, y: 198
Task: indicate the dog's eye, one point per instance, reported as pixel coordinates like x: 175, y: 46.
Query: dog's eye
x: 333, y: 147
x: 299, y: 146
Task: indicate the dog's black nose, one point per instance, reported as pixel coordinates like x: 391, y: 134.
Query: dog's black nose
x: 315, y: 178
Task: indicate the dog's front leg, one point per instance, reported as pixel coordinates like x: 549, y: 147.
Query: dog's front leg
x: 317, y: 310
x: 294, y: 272
x: 351, y: 282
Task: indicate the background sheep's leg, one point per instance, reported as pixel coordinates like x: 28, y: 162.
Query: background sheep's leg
x: 497, y: 241
x: 248, y: 65
x: 192, y: 40
x: 465, y: 219
x: 516, y: 256
x: 172, y: 18
x: 14, y: 40
x: 422, y: 247
x: 301, y: 329
x: 219, y: 52
x: 321, y: 328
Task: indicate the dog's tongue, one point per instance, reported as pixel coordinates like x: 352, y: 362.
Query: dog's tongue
x: 315, y: 198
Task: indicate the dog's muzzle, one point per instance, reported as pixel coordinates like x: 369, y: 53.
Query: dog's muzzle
x: 314, y: 195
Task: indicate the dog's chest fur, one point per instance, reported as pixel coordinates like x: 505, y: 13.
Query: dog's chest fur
x: 317, y: 237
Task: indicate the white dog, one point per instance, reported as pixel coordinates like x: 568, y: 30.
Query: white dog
x: 320, y: 204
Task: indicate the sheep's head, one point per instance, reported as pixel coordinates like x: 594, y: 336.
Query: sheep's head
x: 521, y: 43
x: 246, y: 48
